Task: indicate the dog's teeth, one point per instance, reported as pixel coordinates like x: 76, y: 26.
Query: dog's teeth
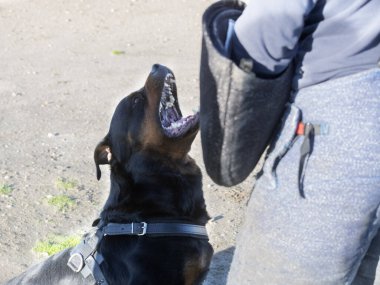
x: 174, y: 125
x: 179, y: 123
x: 169, y: 105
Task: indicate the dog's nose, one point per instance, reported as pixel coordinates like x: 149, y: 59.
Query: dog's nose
x: 155, y: 67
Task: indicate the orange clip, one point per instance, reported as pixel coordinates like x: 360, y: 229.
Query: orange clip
x: 300, y: 129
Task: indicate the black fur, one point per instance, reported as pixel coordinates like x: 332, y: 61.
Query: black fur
x: 152, y: 179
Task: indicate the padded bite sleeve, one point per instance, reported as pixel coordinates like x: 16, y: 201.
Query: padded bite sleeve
x: 238, y: 110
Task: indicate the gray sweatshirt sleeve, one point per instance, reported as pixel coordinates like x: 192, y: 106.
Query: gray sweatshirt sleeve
x: 270, y: 30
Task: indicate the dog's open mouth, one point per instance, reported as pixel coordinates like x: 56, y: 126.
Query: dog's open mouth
x: 173, y: 124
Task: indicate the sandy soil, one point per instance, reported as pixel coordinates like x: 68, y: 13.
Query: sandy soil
x: 64, y: 67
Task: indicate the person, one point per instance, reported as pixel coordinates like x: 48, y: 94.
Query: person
x: 314, y: 213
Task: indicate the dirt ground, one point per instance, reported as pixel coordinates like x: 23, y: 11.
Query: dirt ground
x: 64, y: 67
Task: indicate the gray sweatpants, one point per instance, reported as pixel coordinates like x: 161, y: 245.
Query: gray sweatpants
x: 325, y: 237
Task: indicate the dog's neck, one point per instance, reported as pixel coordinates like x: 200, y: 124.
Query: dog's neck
x: 154, y: 189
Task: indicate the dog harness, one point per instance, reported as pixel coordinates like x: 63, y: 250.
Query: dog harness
x: 85, y: 258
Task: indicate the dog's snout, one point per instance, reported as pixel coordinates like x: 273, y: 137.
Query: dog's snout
x: 160, y: 69
x: 155, y: 68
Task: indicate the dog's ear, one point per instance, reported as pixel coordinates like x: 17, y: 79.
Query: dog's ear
x: 102, y: 155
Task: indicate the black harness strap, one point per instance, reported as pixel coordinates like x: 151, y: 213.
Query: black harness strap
x: 156, y: 229
x: 85, y: 259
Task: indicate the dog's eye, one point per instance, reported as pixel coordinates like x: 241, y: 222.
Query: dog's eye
x: 137, y: 99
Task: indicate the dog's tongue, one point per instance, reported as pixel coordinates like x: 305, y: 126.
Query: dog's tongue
x: 180, y: 127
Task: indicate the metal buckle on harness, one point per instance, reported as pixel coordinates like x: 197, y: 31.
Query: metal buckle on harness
x: 76, y: 262
x: 143, y: 227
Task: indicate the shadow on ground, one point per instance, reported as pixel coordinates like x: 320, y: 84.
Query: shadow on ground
x: 220, y: 266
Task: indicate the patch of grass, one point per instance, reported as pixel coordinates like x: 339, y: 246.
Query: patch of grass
x: 66, y: 184
x: 62, y: 202
x: 118, y: 52
x: 56, y: 243
x: 5, y: 189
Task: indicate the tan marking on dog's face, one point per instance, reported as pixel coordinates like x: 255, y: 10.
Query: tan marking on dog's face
x: 151, y: 132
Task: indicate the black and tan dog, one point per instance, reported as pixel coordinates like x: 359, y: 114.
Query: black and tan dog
x: 154, y: 182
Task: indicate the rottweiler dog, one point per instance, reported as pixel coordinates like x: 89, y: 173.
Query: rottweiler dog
x: 153, y: 179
